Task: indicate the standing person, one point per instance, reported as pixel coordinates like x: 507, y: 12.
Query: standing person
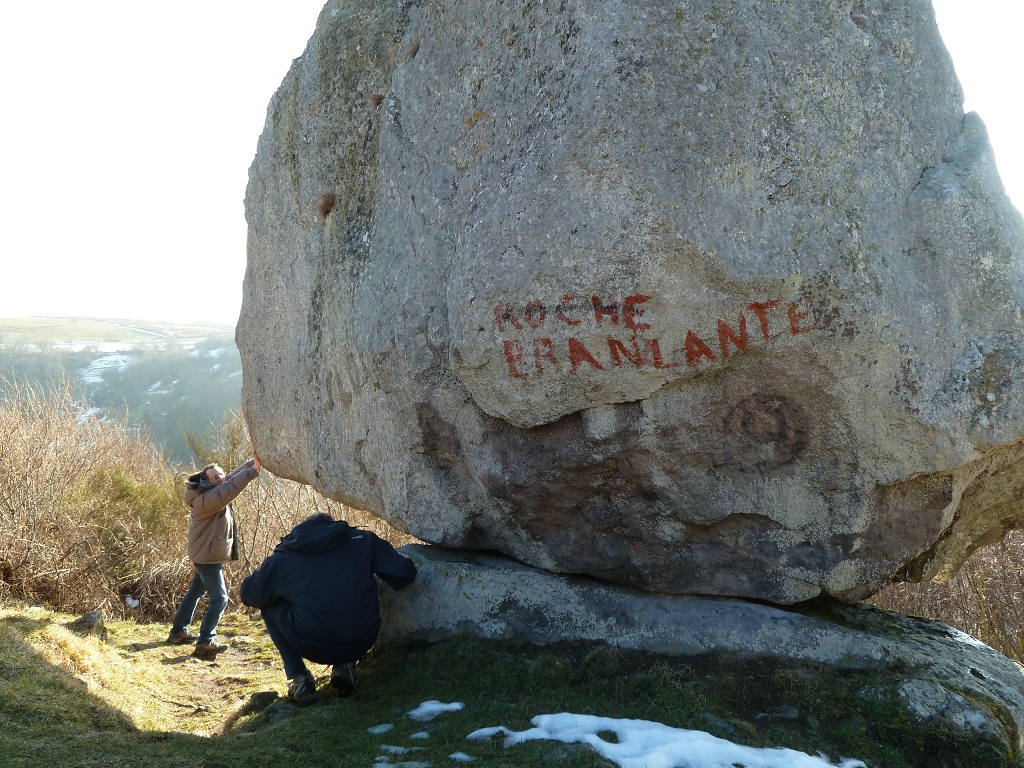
x: 318, y: 596
x: 212, y: 541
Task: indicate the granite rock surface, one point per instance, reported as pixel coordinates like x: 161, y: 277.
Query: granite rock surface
x: 938, y: 673
x: 702, y: 297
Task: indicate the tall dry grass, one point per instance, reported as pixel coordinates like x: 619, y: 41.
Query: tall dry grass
x: 87, y: 504
x: 985, y: 599
x: 91, y: 511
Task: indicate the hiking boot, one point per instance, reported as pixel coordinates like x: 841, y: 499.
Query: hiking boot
x: 208, y: 650
x: 302, y: 690
x: 181, y: 637
x: 343, y: 679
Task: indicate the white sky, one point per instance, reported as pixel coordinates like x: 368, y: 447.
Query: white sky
x: 129, y: 127
x: 128, y: 130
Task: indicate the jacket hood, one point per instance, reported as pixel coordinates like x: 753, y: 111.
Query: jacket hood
x: 315, y: 534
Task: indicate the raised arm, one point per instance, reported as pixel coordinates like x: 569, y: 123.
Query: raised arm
x: 214, y: 500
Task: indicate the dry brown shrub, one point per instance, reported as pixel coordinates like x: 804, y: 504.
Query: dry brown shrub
x: 85, y: 500
x: 91, y: 512
x: 985, y: 599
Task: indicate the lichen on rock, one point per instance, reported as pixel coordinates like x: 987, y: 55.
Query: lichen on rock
x: 715, y: 298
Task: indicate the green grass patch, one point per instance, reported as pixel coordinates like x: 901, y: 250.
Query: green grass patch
x: 135, y: 701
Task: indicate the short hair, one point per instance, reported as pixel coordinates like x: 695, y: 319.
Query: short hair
x: 206, y: 469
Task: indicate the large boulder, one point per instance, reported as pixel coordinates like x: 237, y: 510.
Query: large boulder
x: 704, y: 297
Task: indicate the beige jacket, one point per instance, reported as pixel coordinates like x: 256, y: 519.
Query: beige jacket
x: 211, y: 528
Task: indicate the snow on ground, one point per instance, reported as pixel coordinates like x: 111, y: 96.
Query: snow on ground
x: 99, y: 346
x: 644, y: 744
x: 218, y: 352
x: 392, y: 749
x: 428, y: 710
x: 93, y: 373
x: 638, y: 743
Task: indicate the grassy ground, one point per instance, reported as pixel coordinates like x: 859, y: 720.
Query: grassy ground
x: 71, y: 699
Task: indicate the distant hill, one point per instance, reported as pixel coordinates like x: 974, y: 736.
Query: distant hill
x: 172, y: 378
x: 83, y: 330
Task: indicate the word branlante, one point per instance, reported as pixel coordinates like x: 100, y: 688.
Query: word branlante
x: 630, y: 338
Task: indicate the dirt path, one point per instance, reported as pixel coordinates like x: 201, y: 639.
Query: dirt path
x: 171, y: 690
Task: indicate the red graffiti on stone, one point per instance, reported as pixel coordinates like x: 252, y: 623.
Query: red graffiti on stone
x: 529, y: 357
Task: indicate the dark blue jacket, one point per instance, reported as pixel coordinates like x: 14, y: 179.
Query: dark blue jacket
x: 320, y: 581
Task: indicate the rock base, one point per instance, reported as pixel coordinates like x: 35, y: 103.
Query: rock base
x: 939, y: 672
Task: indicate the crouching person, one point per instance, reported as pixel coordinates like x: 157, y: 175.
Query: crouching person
x: 318, y: 597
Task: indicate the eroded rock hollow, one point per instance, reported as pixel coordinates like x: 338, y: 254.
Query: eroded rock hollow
x: 703, y: 297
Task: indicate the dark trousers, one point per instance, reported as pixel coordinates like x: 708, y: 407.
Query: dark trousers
x: 294, y: 649
x: 278, y: 627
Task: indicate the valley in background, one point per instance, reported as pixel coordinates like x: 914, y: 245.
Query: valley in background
x: 172, y: 379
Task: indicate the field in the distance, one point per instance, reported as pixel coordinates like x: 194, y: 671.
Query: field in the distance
x: 173, y: 379
x: 41, y: 330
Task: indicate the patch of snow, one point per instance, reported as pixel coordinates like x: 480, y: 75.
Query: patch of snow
x: 99, y: 346
x: 428, y: 710
x: 645, y: 744
x: 219, y: 352
x: 382, y: 728
x: 420, y: 735
x: 394, y: 750
x: 93, y: 372
x: 461, y: 757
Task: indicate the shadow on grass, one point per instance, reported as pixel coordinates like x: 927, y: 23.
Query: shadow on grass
x: 140, y: 647
x: 48, y: 717
x: 172, y: 660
